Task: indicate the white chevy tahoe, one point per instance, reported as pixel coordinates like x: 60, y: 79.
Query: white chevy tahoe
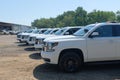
x: 63, y: 31
x: 95, y: 42
x: 31, y: 38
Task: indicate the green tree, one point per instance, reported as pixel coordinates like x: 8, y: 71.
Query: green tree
x: 80, y: 17
x: 101, y: 16
x: 66, y: 19
x: 118, y: 16
x: 43, y: 23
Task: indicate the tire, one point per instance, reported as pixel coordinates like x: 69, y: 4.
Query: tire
x: 70, y: 62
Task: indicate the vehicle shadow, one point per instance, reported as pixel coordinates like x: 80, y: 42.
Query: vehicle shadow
x: 89, y: 72
x: 46, y: 72
x: 36, y: 56
x: 30, y: 49
x: 22, y: 44
x: 16, y: 42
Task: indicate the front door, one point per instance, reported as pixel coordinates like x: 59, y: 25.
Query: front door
x: 116, y: 34
x: 101, y: 47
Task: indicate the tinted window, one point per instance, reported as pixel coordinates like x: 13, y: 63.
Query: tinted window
x: 70, y: 31
x: 82, y: 32
x: 47, y: 32
x: 59, y: 32
x: 43, y: 31
x: 75, y: 29
x: 104, y: 31
x: 54, y: 31
x: 116, y: 30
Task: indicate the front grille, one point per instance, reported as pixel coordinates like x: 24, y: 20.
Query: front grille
x: 18, y: 36
x: 26, y: 36
x: 22, y: 37
x: 33, y: 38
x: 44, y: 43
x: 30, y: 39
x: 36, y: 41
x: 45, y: 46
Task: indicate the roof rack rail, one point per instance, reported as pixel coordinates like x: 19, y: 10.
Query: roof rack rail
x: 112, y: 21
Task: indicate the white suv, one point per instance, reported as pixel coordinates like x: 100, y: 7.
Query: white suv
x: 95, y: 42
x: 32, y: 37
x: 64, y: 31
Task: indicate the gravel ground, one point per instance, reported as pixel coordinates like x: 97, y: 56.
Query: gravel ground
x: 21, y: 62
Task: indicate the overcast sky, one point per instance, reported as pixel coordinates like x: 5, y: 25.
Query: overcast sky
x: 25, y: 11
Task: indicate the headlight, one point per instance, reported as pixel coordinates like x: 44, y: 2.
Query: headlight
x: 41, y: 41
x: 50, y: 46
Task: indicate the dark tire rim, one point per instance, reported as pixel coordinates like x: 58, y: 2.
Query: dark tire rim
x: 71, y: 65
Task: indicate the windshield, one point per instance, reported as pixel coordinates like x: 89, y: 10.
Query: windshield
x: 84, y: 30
x: 29, y: 31
x: 36, y: 31
x: 59, y: 32
x: 53, y: 31
x: 47, y: 32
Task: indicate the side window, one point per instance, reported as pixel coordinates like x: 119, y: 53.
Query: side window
x: 43, y: 31
x: 75, y: 29
x: 104, y: 31
x: 54, y: 31
x: 70, y: 32
x: 116, y: 30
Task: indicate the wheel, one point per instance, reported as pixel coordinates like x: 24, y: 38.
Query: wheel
x: 70, y: 62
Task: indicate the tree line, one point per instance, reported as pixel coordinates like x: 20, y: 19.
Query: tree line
x: 79, y: 17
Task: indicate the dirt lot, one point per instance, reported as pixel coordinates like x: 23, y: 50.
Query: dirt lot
x: 21, y: 62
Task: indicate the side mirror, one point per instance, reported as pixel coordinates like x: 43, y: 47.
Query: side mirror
x: 67, y: 33
x: 94, y: 34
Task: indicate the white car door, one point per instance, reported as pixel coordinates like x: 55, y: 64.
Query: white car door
x: 101, y: 47
x: 118, y: 48
x: 116, y: 34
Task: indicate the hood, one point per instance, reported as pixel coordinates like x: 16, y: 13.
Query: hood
x: 39, y: 36
x: 28, y: 34
x: 19, y: 33
x: 61, y: 38
x: 45, y: 36
x: 24, y: 33
x: 34, y: 35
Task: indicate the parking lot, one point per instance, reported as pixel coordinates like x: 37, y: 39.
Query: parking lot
x: 19, y: 61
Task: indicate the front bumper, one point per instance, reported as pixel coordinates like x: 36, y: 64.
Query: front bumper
x: 46, y: 59
x: 19, y: 39
x: 31, y: 42
x: 38, y: 46
x: 24, y: 40
x: 50, y: 57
